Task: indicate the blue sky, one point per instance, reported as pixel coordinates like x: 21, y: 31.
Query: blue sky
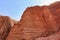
x: 15, y: 8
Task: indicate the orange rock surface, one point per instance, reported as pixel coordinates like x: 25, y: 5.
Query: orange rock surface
x: 38, y: 23
x: 5, y: 25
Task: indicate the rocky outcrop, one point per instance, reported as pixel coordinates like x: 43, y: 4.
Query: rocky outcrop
x: 5, y: 25
x: 38, y: 23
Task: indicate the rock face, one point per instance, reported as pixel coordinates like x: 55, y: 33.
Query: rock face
x: 5, y: 25
x: 38, y: 23
x: 55, y: 36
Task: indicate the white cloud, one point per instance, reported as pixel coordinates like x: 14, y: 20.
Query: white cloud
x: 43, y: 2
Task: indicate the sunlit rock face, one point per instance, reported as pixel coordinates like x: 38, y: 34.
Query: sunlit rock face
x: 38, y: 23
x: 5, y: 25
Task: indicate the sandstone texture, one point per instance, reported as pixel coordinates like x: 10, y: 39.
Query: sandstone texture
x: 38, y: 23
x: 6, y: 23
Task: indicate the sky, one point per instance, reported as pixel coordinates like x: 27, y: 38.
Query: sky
x: 15, y: 8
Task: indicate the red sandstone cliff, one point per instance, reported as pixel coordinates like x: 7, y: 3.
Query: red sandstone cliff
x: 5, y: 25
x: 38, y: 23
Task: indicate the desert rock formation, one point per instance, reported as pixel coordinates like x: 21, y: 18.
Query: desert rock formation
x: 38, y: 23
x: 6, y: 23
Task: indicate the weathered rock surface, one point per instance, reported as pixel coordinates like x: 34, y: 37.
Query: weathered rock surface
x: 55, y: 36
x: 5, y: 25
x: 38, y: 23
